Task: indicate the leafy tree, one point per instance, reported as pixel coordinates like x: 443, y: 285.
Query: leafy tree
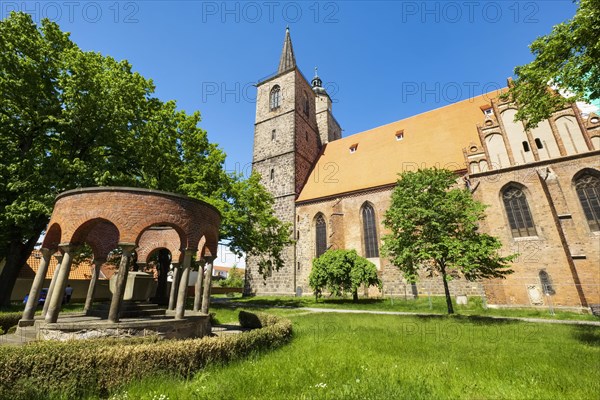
x: 568, y: 58
x: 250, y: 224
x: 341, y: 272
x: 235, y: 278
x: 51, y: 121
x: 434, y: 225
x: 70, y: 118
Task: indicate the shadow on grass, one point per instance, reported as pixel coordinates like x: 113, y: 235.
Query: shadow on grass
x: 589, y: 335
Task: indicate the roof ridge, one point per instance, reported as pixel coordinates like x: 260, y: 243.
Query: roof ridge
x: 421, y: 113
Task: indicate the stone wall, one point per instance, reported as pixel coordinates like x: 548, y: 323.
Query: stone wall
x: 193, y: 326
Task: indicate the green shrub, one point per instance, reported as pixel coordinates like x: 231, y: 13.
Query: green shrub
x: 256, y: 320
x: 83, y: 367
x: 9, y: 319
x: 235, y: 279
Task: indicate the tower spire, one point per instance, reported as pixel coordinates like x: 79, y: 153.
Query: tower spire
x: 287, y: 60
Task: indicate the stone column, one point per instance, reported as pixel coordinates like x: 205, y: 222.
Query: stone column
x: 59, y: 258
x: 61, y: 282
x: 198, y: 288
x: 183, y: 284
x: 174, y: 286
x: 117, y: 297
x: 207, y: 283
x: 36, y: 287
x: 92, y: 287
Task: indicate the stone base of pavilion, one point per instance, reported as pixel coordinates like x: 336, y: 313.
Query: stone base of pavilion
x: 74, y: 326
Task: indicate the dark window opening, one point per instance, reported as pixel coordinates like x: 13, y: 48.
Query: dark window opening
x: 321, y: 235
x: 517, y: 211
x: 370, y: 232
x: 538, y: 143
x: 526, y: 147
x: 587, y: 187
x: 273, y: 134
x: 275, y: 97
x: 272, y: 174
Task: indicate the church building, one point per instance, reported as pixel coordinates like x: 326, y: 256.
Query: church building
x: 542, y: 188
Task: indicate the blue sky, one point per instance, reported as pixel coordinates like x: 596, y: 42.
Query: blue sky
x: 380, y: 61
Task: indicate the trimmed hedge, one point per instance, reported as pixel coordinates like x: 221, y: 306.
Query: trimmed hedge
x: 9, y: 319
x: 256, y: 320
x: 83, y: 367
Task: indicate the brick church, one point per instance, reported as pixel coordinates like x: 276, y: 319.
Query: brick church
x: 542, y: 188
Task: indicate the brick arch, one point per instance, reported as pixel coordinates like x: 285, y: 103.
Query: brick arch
x: 132, y: 211
x: 103, y: 238
x: 208, y: 245
x: 53, y: 236
x: 534, y: 218
x: 513, y: 184
x: 587, y: 170
x: 155, y: 238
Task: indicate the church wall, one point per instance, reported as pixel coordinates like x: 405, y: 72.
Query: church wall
x: 307, y: 139
x: 278, y: 282
x: 571, y: 135
x: 517, y: 137
x: 287, y: 84
x: 562, y: 214
x: 276, y: 153
x: 329, y: 129
x: 549, y: 149
x: 345, y: 231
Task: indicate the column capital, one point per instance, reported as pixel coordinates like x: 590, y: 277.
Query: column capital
x: 209, y: 259
x: 127, y: 248
x: 67, y: 247
x: 46, y: 252
x: 189, y: 251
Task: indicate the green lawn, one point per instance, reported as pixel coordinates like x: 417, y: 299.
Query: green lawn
x: 361, y: 356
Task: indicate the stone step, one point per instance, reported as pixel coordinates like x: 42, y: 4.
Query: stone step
x: 129, y: 310
x: 28, y: 332
x: 14, y: 340
x: 127, y: 306
x: 142, y: 313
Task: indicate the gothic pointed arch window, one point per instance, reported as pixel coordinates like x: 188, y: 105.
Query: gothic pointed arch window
x: 320, y: 234
x: 275, y: 97
x: 517, y: 212
x: 587, y: 187
x: 369, y: 231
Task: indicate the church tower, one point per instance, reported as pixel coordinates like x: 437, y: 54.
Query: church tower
x: 287, y: 142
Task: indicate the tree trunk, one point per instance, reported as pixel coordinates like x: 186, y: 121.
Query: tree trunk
x: 355, y: 296
x: 446, y: 289
x: 16, y: 256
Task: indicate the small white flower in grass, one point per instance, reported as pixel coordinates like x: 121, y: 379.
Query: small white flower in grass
x: 321, y: 385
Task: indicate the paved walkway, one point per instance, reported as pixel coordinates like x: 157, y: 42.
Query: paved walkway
x: 414, y: 314
x: 537, y: 320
